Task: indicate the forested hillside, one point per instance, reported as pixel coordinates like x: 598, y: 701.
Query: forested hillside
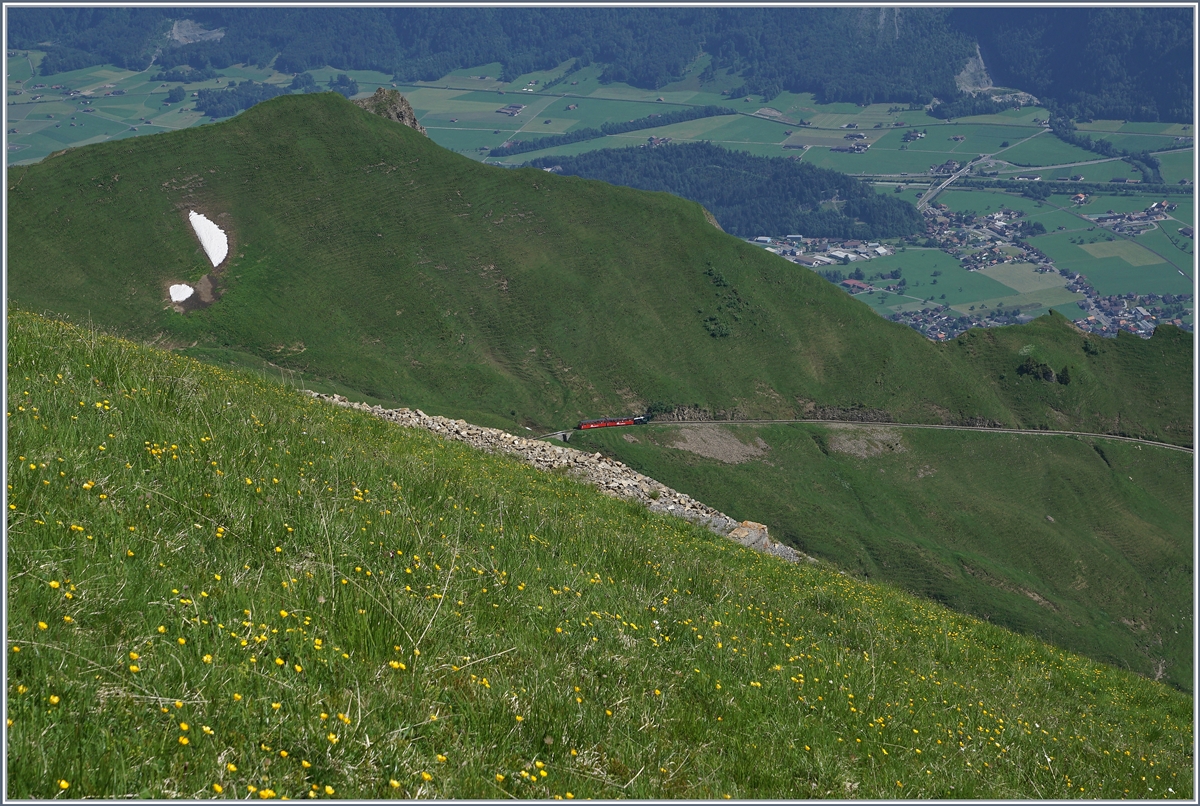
x: 751, y: 195
x: 1118, y: 62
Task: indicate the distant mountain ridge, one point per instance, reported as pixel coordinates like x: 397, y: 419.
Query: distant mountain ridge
x: 1114, y: 62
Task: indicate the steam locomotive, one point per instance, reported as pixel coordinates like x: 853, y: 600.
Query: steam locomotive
x: 609, y: 422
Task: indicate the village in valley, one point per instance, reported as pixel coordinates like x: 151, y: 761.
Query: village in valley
x: 979, y: 242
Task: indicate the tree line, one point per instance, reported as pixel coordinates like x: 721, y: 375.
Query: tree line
x: 590, y: 133
x: 751, y: 195
x: 228, y: 102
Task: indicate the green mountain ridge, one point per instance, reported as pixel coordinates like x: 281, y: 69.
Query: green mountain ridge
x: 368, y: 255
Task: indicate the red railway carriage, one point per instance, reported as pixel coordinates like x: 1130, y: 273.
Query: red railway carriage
x: 609, y: 422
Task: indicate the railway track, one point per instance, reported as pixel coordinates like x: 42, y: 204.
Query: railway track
x: 981, y: 429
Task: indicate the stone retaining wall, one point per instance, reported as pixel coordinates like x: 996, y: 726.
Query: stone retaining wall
x: 609, y: 476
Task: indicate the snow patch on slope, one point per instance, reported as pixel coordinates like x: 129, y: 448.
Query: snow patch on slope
x: 212, y: 237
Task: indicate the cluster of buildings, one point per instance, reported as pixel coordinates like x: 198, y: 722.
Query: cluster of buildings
x: 815, y: 253
x: 980, y: 242
x: 939, y: 323
x: 1134, y: 313
x: 858, y: 144
x: 1134, y: 223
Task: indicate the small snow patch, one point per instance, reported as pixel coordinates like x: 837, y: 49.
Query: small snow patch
x: 212, y: 237
x: 181, y: 292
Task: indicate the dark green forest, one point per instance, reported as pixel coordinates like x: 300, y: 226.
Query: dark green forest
x: 748, y: 195
x: 228, y: 102
x: 1115, y: 62
x: 1122, y: 63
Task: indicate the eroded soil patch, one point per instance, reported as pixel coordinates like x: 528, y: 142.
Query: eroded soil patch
x: 719, y: 444
x: 865, y: 441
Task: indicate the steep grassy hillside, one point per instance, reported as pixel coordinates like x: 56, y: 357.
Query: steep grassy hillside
x: 1083, y: 543
x: 364, y: 254
x: 217, y: 586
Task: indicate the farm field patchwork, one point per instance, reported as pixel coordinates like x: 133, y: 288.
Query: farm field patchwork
x: 1172, y: 129
x: 1098, y: 170
x: 928, y: 273
x: 1033, y: 303
x: 1137, y: 142
x: 1116, y: 274
x: 1057, y: 211
x: 1112, y: 264
x: 1177, y: 252
x: 1128, y: 251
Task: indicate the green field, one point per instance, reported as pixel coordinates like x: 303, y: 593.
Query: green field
x: 1138, y: 142
x: 1099, y: 170
x: 935, y: 512
x: 878, y: 161
x: 918, y: 267
x: 276, y: 598
x: 1045, y: 149
x: 1172, y: 129
x: 1115, y: 275
x: 1164, y: 248
x: 1022, y: 277
x: 1176, y: 165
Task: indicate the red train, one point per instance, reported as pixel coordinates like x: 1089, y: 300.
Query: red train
x: 609, y: 422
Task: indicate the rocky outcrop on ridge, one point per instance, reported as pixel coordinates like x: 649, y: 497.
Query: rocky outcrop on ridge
x: 392, y: 105
x: 609, y: 476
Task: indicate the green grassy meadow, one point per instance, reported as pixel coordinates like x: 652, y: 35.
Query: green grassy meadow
x: 1046, y: 149
x: 271, y: 597
x: 1176, y: 165
x: 937, y: 512
x: 931, y: 273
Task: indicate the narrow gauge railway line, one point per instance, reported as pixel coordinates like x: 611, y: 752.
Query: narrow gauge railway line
x: 981, y: 429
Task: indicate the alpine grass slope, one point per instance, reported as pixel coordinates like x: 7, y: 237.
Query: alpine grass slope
x: 221, y: 587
